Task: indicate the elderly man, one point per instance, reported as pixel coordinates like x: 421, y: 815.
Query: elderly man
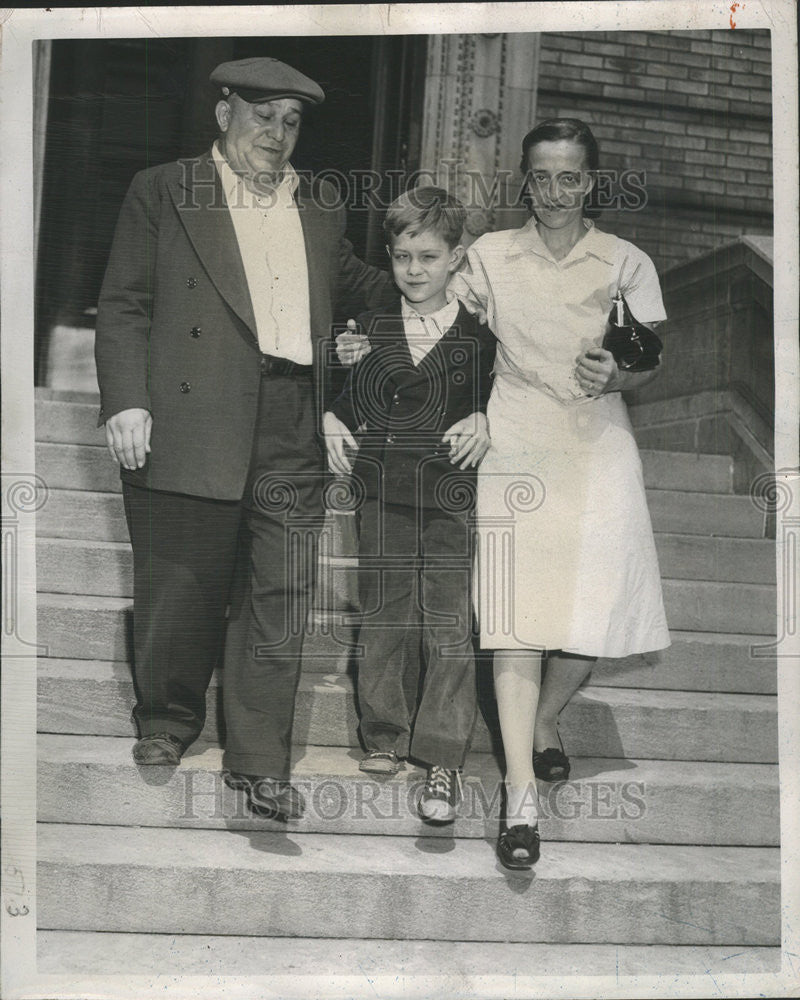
x: 217, y: 299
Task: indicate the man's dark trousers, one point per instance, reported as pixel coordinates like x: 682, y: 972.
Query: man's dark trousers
x: 185, y: 551
x: 414, y: 587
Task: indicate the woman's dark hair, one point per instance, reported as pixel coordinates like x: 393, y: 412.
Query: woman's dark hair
x: 553, y: 130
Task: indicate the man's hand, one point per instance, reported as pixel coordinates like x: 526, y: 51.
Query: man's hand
x: 337, y: 438
x: 128, y: 437
x: 597, y: 372
x: 351, y: 346
x: 468, y: 439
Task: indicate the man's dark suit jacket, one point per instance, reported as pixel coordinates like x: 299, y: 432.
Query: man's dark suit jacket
x: 176, y: 333
x: 407, y: 408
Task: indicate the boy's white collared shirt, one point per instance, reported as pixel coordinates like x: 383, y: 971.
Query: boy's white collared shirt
x: 273, y: 252
x: 423, y: 332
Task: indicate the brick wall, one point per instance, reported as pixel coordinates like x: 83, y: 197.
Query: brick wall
x: 692, y: 109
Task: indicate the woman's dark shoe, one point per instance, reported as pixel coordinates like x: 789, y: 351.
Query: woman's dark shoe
x: 518, y: 847
x: 551, y: 764
x: 159, y: 748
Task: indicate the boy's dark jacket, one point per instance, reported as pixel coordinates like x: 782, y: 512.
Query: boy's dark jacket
x: 407, y: 408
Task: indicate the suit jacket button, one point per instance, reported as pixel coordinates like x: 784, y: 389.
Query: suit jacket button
x: 191, y: 282
x: 196, y: 331
x: 185, y: 387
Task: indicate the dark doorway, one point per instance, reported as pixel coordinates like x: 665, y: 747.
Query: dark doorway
x: 118, y: 106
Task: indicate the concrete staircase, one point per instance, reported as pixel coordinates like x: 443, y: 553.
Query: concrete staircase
x: 660, y: 854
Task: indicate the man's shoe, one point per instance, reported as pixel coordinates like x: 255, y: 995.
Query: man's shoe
x: 380, y: 762
x: 159, y: 748
x: 268, y: 797
x: 441, y: 795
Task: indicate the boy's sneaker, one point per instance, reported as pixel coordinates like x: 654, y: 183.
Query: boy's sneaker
x: 440, y: 796
x: 380, y: 762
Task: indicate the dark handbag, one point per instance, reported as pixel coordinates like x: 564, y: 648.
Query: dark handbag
x: 636, y: 348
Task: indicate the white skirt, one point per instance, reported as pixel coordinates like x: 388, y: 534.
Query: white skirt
x: 566, y: 558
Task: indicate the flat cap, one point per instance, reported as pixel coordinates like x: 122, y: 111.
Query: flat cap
x: 265, y: 79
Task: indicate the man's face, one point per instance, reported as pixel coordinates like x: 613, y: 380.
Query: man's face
x: 258, y: 139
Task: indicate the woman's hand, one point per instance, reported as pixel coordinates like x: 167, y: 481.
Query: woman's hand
x: 597, y: 372
x: 468, y: 439
x: 337, y: 439
x: 351, y: 346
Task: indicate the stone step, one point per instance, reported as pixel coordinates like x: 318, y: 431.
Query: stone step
x: 77, y: 467
x: 690, y: 604
x: 704, y: 606
x: 90, y: 467
x: 84, y: 566
x: 680, y: 470
x: 99, y: 628
x: 94, y: 780
x: 698, y: 661
x: 705, y: 514
x: 277, y: 884
x: 78, y: 514
x: 95, y: 698
x: 62, y: 421
x: 89, y: 566
x: 85, y: 626
x: 728, y: 560
x: 680, y: 557
x: 69, y: 513
x: 293, y: 963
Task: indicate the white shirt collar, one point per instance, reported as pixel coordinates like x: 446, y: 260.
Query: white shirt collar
x: 442, y: 318
x: 237, y: 193
x: 594, y: 242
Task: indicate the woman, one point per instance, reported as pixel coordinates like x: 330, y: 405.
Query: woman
x: 560, y: 490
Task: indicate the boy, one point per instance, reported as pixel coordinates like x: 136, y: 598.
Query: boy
x: 420, y: 399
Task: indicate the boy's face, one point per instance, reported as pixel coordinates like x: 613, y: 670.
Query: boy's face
x: 422, y: 264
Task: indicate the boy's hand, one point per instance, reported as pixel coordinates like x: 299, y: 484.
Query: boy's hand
x: 468, y: 439
x: 128, y: 437
x: 352, y: 346
x: 337, y: 438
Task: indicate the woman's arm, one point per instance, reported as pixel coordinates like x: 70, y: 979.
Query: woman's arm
x: 597, y: 372
x: 471, y: 285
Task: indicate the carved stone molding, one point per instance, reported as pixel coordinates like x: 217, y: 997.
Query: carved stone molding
x: 479, y: 103
x: 484, y: 123
x: 479, y: 221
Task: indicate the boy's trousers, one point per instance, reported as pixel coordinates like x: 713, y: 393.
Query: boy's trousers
x: 415, y: 572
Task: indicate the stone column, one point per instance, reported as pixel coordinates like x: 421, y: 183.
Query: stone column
x: 480, y: 100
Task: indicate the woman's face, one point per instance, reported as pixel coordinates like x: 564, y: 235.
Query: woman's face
x: 558, y: 181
